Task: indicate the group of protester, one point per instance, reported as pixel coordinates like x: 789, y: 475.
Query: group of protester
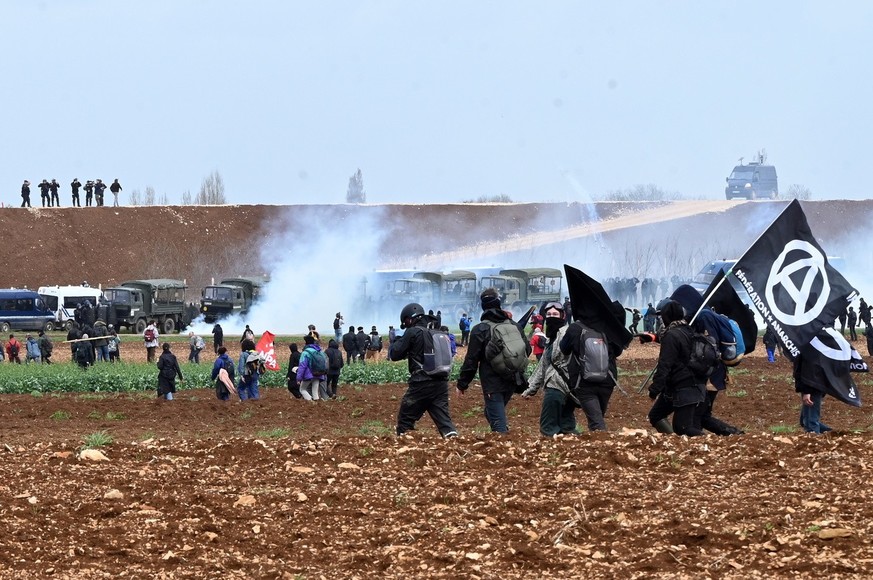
x: 94, y: 191
x: 36, y: 349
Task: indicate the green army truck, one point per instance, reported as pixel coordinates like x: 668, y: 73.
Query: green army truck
x: 132, y: 304
x: 231, y: 296
x: 520, y: 289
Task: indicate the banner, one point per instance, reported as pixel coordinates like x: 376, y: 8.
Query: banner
x: 267, y: 350
x: 790, y: 282
x: 825, y: 364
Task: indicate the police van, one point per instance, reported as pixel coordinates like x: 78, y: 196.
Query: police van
x: 24, y: 310
x: 62, y: 301
x: 754, y: 180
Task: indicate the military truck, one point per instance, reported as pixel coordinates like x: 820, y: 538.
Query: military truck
x: 452, y: 294
x: 230, y: 296
x: 523, y: 288
x: 132, y: 304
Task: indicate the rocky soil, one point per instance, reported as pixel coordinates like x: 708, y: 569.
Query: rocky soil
x: 282, y: 488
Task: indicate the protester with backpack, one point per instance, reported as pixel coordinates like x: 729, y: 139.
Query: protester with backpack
x: 538, y: 342
x: 196, y: 345
x: 224, y: 375
x: 429, y: 360
x: 249, y: 370
x: 557, y: 415
x: 593, y: 372
x: 151, y: 335
x: 675, y: 387
x: 350, y: 345
x: 13, y: 348
x: 498, y: 351
x: 168, y: 368
x: 84, y: 355
x: 374, y: 344
x: 312, y: 370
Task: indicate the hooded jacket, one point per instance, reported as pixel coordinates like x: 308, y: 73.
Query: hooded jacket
x: 552, y: 370
x: 475, y: 360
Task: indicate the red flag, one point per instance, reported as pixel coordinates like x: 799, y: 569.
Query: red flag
x: 265, y: 347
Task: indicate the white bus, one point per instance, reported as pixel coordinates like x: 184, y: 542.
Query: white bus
x: 62, y: 301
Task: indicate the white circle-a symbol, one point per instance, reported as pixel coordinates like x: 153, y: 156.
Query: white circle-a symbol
x: 781, y: 276
x: 842, y: 353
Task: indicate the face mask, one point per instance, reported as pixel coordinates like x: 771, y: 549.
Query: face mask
x: 552, y: 327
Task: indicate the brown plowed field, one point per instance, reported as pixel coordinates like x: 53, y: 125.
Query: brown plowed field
x: 282, y: 488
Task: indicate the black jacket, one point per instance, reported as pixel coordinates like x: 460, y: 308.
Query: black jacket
x: 411, y: 346
x: 350, y: 342
x: 363, y: 340
x: 168, y: 368
x: 672, y: 374
x: 334, y: 358
x: 293, y: 363
x: 475, y: 360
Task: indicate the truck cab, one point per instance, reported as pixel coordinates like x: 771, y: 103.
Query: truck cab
x: 230, y: 296
x: 754, y: 180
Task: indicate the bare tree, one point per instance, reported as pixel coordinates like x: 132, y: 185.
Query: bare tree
x: 648, y: 192
x: 164, y: 199
x: 501, y: 198
x: 797, y: 191
x: 211, y: 190
x: 149, y: 197
x: 356, y: 193
x: 186, y: 197
x: 134, y: 197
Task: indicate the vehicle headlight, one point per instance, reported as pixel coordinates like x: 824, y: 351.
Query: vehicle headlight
x: 205, y: 308
x: 748, y: 186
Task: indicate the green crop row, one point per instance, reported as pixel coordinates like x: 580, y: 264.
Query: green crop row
x: 125, y: 377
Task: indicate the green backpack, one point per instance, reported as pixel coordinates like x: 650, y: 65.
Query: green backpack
x: 506, y: 352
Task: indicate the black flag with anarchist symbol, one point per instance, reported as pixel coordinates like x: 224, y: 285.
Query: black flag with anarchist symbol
x: 790, y: 282
x: 825, y: 364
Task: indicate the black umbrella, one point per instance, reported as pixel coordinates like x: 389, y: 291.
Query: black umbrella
x: 593, y: 306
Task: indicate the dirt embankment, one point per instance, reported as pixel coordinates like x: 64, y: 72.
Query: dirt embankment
x: 109, y: 245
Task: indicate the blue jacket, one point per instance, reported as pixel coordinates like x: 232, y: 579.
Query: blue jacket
x: 33, y: 348
x: 241, y: 367
x: 219, y: 364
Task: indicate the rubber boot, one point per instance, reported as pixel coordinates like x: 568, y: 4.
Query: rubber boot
x: 663, y: 426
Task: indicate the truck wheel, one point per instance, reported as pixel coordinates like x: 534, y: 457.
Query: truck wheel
x: 169, y: 326
x: 68, y: 326
x: 774, y: 195
x: 140, y: 326
x: 4, y: 327
x: 753, y: 195
x: 49, y: 326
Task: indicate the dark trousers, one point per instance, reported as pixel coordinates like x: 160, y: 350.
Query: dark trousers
x: 150, y: 353
x: 710, y: 423
x: 76, y: 200
x: 495, y: 410
x: 332, y: 382
x: 420, y: 397
x: 465, y: 337
x: 594, y: 401
x: 684, y: 417
x: 852, y: 334
x: 557, y: 414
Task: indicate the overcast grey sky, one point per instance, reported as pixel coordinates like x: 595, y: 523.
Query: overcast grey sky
x: 434, y: 101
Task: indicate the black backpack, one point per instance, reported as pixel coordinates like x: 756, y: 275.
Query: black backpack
x: 704, y: 355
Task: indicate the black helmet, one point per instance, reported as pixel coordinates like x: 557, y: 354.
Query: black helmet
x: 411, y: 310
